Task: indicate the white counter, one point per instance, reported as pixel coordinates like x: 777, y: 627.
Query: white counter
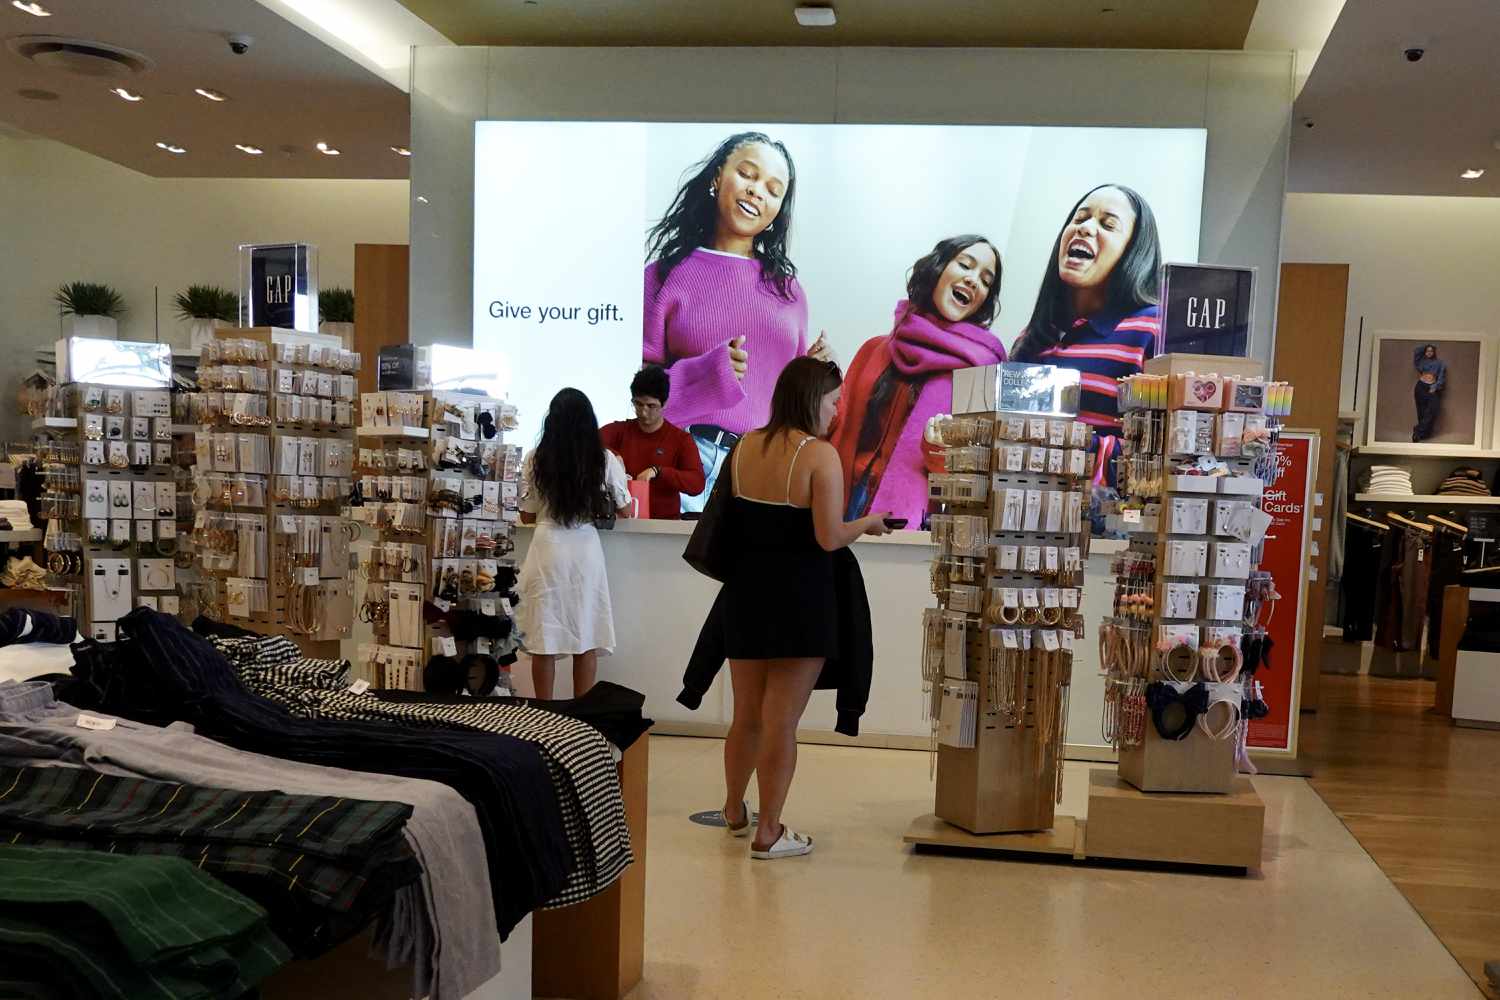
x: 660, y: 603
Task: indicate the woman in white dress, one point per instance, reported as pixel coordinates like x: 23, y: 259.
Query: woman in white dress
x: 566, y: 480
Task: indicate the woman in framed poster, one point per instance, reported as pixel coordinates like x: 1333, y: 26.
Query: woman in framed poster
x: 1428, y: 391
x: 1432, y: 375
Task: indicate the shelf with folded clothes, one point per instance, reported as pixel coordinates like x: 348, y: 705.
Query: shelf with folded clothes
x: 1442, y: 499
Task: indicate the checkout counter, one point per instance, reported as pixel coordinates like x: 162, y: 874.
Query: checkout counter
x: 660, y: 603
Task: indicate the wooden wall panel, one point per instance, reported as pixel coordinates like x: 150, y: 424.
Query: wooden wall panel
x: 1309, y: 354
x: 382, y: 295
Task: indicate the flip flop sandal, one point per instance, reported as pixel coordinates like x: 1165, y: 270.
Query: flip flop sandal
x: 744, y: 829
x: 789, y: 845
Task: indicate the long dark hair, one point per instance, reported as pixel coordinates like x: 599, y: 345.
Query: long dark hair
x: 690, y: 221
x: 924, y: 274
x: 568, y: 469
x: 1132, y: 283
x: 799, y: 392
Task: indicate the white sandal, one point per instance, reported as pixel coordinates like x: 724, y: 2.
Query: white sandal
x: 790, y: 844
x: 744, y: 830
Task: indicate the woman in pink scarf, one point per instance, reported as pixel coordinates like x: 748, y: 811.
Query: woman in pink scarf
x: 898, y: 381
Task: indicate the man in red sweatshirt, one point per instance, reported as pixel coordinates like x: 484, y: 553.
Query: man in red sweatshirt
x: 655, y: 451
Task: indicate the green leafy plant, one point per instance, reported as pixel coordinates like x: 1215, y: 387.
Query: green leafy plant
x: 336, y: 305
x: 87, y: 298
x: 207, y: 302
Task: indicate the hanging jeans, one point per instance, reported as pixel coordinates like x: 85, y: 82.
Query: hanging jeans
x: 1387, y: 609
x: 1362, y: 549
x: 1447, y: 568
x: 1416, y: 570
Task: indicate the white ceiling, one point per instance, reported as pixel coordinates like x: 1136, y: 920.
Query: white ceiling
x: 1382, y: 125
x: 290, y: 89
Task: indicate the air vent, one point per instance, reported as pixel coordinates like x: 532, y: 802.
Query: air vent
x: 79, y: 56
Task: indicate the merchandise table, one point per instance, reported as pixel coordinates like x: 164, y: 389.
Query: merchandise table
x: 660, y: 603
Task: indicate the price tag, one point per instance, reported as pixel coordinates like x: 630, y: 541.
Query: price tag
x: 1049, y: 640
x: 1051, y: 598
x: 308, y: 576
x: 1029, y: 598
x: 1131, y: 515
x: 1010, y: 597
x: 286, y: 524
x: 441, y: 604
x: 1008, y: 638
x: 449, y: 647
x: 359, y: 687
x: 488, y: 606
x: 1070, y: 597
x: 95, y: 722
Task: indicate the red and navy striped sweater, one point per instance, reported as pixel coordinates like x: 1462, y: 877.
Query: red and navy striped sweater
x: 1105, y: 348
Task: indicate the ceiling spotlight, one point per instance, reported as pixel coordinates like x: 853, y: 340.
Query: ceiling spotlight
x: 34, y: 9
x: 327, y: 150
x: 1472, y: 174
x: 171, y: 147
x: 213, y: 95
x: 249, y: 150
x: 400, y: 150
x: 816, y: 17
x: 124, y: 94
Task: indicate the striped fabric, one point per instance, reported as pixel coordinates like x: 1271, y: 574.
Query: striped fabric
x: 94, y: 924
x: 1104, y: 349
x: 301, y: 856
x: 578, y: 757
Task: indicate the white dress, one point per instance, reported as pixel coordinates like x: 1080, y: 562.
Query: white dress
x: 563, y: 588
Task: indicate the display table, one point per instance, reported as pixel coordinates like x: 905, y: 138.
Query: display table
x: 660, y: 603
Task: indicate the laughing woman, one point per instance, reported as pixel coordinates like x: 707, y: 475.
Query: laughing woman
x: 901, y: 379
x: 1097, y: 308
x: 724, y: 312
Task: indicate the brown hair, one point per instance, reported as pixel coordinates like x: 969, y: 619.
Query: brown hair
x: 799, y: 391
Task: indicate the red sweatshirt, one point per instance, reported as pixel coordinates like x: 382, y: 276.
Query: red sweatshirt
x: 669, y: 448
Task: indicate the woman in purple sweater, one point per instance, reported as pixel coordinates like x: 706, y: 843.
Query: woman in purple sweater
x: 724, y: 312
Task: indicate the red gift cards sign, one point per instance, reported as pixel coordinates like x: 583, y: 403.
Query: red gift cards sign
x: 1286, y: 499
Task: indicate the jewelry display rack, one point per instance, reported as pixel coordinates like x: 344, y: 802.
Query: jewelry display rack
x: 1011, y: 532
x: 109, y: 500
x: 440, y: 487
x: 274, y: 471
x: 1186, y: 636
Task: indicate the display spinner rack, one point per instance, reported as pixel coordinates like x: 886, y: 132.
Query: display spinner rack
x: 1181, y: 652
x: 291, y: 574
x: 441, y: 499
x: 1124, y: 823
x: 110, y: 502
x: 1011, y: 536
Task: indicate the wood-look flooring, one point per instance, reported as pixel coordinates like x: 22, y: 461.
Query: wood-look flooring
x: 1423, y: 798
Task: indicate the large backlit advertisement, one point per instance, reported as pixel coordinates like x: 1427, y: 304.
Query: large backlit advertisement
x: 902, y: 252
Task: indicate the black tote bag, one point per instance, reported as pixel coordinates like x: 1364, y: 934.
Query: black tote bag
x: 708, y: 550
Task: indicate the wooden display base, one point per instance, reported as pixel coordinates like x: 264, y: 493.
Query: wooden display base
x: 1125, y: 824
x: 1198, y: 763
x: 596, y: 950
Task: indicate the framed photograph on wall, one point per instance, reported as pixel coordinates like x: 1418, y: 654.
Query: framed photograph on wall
x: 1428, y: 392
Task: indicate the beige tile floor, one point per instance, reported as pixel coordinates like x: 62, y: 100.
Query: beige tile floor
x: 864, y: 917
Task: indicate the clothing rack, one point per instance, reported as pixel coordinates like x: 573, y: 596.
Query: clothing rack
x: 1443, y: 522
x: 1367, y: 522
x: 1409, y: 523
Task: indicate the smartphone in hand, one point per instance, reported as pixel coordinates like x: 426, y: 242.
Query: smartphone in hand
x: 894, y: 523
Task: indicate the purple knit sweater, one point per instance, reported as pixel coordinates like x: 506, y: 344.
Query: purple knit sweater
x: 709, y: 300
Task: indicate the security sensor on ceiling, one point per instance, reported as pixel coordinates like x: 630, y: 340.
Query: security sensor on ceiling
x: 816, y: 17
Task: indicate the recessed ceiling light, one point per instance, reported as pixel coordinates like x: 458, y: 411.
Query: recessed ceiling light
x: 213, y: 95
x: 124, y: 94
x: 171, y: 147
x: 34, y: 9
x: 1472, y: 174
x: 327, y: 150
x: 250, y: 150
x: 815, y: 17
x: 400, y: 150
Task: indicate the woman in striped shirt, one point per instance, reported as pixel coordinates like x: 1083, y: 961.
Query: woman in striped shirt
x: 1096, y: 311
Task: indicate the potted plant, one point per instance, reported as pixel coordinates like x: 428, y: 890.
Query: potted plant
x: 206, y: 306
x: 336, y: 313
x: 89, y: 309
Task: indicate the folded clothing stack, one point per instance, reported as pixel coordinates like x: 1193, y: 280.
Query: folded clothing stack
x: 1390, y: 479
x: 14, y: 512
x: 1464, y: 481
x: 95, y: 924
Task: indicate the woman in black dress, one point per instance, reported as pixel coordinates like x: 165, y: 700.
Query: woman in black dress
x: 780, y: 619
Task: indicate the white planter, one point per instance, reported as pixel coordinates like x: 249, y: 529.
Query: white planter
x: 98, y: 327
x: 343, y: 331
x: 201, y: 331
